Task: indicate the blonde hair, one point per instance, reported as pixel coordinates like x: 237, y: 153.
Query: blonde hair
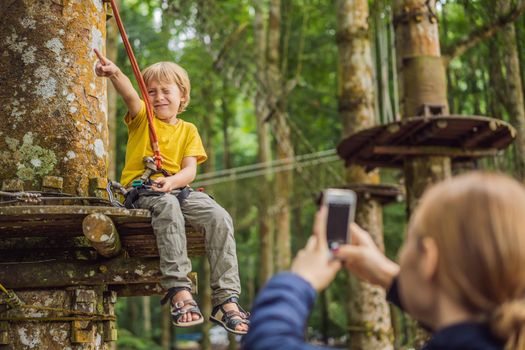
x: 478, y: 223
x: 170, y: 73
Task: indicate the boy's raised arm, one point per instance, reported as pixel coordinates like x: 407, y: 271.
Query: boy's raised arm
x: 106, y: 68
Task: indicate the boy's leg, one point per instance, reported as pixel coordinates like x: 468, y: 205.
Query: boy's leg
x: 203, y: 213
x: 169, y: 228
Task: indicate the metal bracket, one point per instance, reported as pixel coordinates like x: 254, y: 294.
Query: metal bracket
x: 430, y: 110
x: 417, y: 13
x: 97, y: 187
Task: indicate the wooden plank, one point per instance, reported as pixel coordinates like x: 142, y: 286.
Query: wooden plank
x: 433, y: 150
x: 146, y: 245
x: 477, y: 136
x: 429, y: 131
x: 138, y: 289
x: 15, y: 249
x: 63, y: 274
x: 27, y: 211
x: 384, y: 194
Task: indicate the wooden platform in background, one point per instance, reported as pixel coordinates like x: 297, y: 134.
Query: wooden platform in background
x: 462, y: 138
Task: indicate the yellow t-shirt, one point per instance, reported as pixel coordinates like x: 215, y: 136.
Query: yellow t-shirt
x: 175, y: 142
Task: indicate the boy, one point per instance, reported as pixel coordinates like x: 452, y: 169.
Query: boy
x: 168, y: 89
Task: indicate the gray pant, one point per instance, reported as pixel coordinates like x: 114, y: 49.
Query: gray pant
x: 205, y: 215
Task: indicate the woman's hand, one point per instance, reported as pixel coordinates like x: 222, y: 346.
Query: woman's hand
x: 314, y: 262
x: 364, y: 259
x: 104, y: 67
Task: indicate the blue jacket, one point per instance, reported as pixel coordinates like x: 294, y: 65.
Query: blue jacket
x: 280, y: 314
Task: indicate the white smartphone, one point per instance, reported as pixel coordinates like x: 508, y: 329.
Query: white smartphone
x: 341, y: 205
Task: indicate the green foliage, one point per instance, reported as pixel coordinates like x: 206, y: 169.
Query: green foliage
x: 128, y: 341
x: 214, y: 41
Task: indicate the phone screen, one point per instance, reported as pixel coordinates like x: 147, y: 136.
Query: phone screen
x: 337, y: 225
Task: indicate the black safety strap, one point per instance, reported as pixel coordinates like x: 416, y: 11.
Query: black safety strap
x: 133, y: 195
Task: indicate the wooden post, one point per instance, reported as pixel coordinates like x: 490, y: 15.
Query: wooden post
x: 53, y: 106
x: 102, y: 234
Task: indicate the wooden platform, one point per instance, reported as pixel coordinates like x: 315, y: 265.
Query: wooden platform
x: 463, y: 138
x: 57, y: 226
x: 47, y: 242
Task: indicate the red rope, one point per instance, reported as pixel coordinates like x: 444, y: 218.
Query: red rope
x: 142, y: 87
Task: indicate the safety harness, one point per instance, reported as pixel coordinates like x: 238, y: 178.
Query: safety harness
x: 142, y: 187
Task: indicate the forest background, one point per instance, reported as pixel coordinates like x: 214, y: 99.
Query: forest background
x: 265, y: 99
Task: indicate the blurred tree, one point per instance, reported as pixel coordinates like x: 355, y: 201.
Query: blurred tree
x: 276, y: 93
x: 368, y: 311
x: 266, y: 227
x: 229, y: 66
x: 513, y: 86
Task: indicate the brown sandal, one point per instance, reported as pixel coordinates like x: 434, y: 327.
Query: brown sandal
x: 178, y: 310
x: 226, y: 318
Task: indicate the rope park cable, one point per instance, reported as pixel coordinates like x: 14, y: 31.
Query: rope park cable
x: 142, y: 85
x: 260, y: 169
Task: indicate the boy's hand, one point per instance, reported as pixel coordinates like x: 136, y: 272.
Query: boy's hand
x: 121, y: 83
x: 104, y: 67
x: 313, y: 262
x: 163, y: 184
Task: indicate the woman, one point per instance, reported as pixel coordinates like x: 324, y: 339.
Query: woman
x: 461, y: 270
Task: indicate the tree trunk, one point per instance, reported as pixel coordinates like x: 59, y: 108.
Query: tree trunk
x: 226, y: 118
x: 422, y: 81
x: 205, y: 292
x: 277, y: 104
x: 133, y: 307
x: 112, y: 54
x: 514, y: 88
x: 367, y: 305
x: 52, y: 103
x: 266, y: 229
x: 496, y: 80
x: 165, y: 327
x: 53, y: 110
x: 60, y: 334
x: 208, y: 132
x: 146, y: 317
x: 284, y: 183
x: 208, y: 166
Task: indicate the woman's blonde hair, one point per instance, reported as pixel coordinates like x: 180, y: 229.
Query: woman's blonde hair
x: 478, y: 223
x: 170, y: 73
